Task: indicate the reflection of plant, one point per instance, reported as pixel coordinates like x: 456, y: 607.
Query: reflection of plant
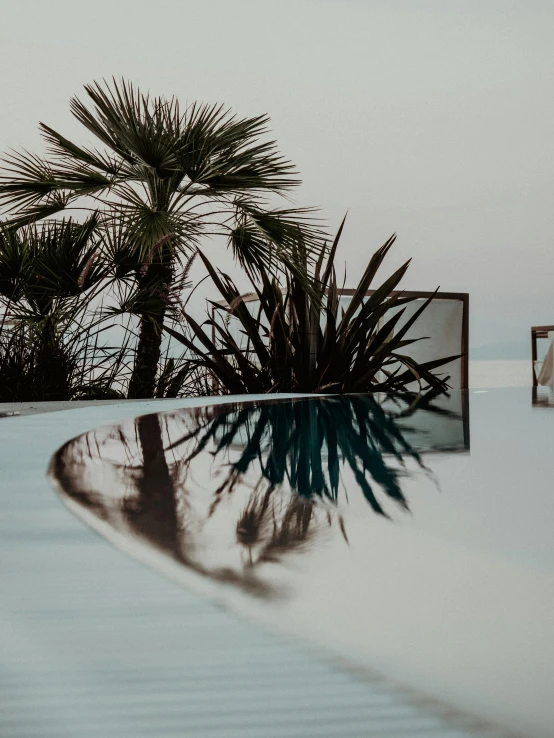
x: 300, y: 340
x: 287, y: 457
x: 302, y: 443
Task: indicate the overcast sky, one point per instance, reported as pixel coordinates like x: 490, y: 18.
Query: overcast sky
x: 433, y: 119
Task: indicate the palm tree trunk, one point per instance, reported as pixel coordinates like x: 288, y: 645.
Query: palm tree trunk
x: 143, y: 378
x: 156, y: 281
x: 51, y: 379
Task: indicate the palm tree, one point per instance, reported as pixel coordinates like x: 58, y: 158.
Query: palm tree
x: 49, y: 274
x: 163, y: 177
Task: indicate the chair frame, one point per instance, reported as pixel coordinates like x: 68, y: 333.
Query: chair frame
x: 462, y: 297
x: 537, y: 331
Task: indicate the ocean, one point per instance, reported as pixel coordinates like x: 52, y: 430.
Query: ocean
x: 500, y: 373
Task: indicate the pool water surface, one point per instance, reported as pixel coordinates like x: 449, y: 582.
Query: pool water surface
x: 402, y: 533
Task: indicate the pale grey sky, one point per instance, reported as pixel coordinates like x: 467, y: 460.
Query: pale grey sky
x: 433, y: 119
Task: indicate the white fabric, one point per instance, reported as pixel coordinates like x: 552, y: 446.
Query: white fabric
x: 546, y: 374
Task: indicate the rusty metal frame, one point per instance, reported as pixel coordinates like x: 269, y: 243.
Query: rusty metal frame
x: 462, y: 297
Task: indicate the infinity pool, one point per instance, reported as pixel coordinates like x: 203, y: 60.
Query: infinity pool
x: 403, y: 535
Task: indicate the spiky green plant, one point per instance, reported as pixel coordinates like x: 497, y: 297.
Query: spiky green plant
x: 299, y: 340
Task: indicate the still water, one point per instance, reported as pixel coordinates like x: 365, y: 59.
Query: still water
x: 395, y: 532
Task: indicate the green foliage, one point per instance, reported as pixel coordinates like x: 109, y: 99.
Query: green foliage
x: 299, y: 340
x: 49, y: 364
x: 182, y: 378
x: 162, y: 178
x: 163, y: 171
x: 49, y: 349
x: 28, y: 372
x: 48, y: 267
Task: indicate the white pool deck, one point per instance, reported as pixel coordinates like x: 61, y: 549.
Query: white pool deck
x: 92, y: 643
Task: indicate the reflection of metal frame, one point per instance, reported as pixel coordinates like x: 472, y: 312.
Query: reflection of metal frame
x: 537, y: 331
x: 465, y: 417
x: 541, y: 401
x: 462, y: 297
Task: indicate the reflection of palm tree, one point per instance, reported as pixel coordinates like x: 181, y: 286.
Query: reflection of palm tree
x: 291, y: 455
x: 274, y: 528
x: 153, y: 511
